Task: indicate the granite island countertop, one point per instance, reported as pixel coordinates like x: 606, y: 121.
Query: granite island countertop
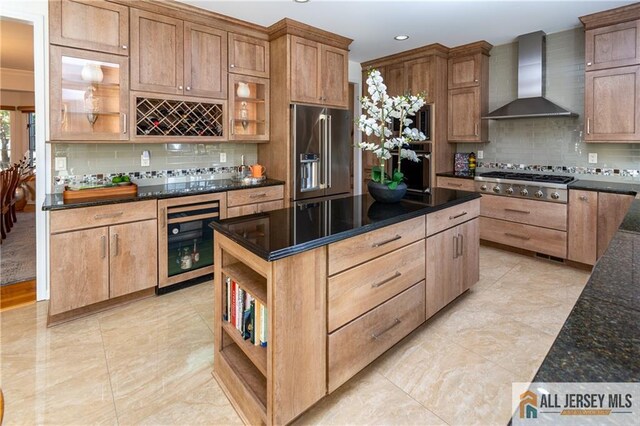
x: 600, y: 340
x: 280, y: 233
x: 623, y: 188
x: 170, y: 190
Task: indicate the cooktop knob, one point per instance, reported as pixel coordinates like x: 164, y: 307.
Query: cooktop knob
x: 524, y: 192
x: 483, y: 187
x: 496, y: 189
x: 555, y: 195
x: 509, y: 191
x: 538, y: 194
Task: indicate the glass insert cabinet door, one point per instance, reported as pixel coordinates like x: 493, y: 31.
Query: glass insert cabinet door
x: 89, y: 95
x: 249, y: 109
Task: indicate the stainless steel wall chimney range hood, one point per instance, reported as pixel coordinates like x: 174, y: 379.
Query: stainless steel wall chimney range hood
x: 531, y: 79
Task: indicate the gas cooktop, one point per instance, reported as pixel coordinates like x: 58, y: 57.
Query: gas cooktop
x: 533, y: 177
x: 525, y: 185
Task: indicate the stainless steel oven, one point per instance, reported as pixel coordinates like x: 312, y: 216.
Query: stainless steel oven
x: 417, y: 175
x: 185, y: 240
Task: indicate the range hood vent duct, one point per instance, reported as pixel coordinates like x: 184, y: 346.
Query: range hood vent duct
x: 531, y: 102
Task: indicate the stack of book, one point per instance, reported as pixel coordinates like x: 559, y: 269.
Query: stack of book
x: 246, y: 313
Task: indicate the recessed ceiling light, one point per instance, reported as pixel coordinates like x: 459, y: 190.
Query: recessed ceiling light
x: 301, y: 1
x: 401, y: 37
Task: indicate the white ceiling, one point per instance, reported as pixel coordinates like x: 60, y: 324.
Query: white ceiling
x: 16, y: 45
x: 372, y: 24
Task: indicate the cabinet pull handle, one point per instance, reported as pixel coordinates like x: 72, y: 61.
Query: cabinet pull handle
x: 108, y: 215
x: 390, y: 240
x: 584, y: 198
x: 517, y: 211
x: 588, y: 126
x: 233, y: 121
x: 115, y: 244
x: 396, y: 275
x: 461, y: 245
x: 455, y: 246
x: 260, y: 195
x: 457, y: 216
x: 163, y: 218
x: 520, y: 237
x: 124, y: 119
x: 454, y: 184
x: 375, y: 336
x: 475, y: 129
x: 104, y: 246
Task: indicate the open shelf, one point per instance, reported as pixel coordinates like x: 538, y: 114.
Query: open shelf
x: 248, y: 279
x: 257, y: 354
x: 251, y: 100
x: 249, y: 377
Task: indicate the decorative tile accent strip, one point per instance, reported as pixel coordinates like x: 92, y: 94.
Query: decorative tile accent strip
x: 635, y: 173
x: 205, y: 173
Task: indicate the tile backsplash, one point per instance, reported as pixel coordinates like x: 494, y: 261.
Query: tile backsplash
x: 554, y: 141
x: 92, y: 159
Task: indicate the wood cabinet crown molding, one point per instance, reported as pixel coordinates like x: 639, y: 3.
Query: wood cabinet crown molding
x: 612, y: 16
x: 481, y: 46
x: 435, y: 49
x: 289, y: 26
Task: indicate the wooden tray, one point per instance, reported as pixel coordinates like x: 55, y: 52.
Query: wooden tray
x: 120, y: 191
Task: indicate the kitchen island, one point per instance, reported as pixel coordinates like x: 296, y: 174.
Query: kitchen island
x: 335, y: 283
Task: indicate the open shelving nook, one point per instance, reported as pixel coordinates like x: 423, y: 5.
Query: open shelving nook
x: 265, y: 384
x: 248, y: 106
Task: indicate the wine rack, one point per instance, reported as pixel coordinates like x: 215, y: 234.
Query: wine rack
x: 158, y: 118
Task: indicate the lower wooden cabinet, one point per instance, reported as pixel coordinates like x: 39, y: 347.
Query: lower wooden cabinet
x: 460, y: 184
x: 453, y: 264
x: 254, y: 200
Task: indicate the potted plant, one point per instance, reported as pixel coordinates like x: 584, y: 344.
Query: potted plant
x: 379, y: 112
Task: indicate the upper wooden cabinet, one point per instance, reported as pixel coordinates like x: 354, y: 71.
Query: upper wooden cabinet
x: 248, y: 55
x: 394, y: 77
x: 612, y: 105
x: 468, y: 83
x: 90, y: 24
x: 420, y: 76
x: 612, y: 46
x: 319, y: 73
x: 173, y: 56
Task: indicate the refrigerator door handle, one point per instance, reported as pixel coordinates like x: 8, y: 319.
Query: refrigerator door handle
x: 329, y: 142
x: 323, y: 147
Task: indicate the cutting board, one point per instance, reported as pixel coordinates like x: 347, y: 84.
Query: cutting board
x: 120, y: 191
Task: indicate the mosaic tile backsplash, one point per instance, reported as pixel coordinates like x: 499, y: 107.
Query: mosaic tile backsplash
x: 556, y: 142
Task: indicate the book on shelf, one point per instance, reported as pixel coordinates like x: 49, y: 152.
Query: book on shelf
x: 246, y: 313
x: 252, y: 316
x: 227, y: 293
x: 258, y: 323
x: 232, y: 316
x: 263, y: 326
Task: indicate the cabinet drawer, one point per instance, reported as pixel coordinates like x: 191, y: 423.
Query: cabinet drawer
x: 254, y: 195
x: 353, y: 251
x: 456, y: 183
x: 445, y: 219
x: 534, y: 238
x: 357, y: 344
x: 530, y: 212
x: 354, y: 292
x: 254, y: 208
x: 89, y: 217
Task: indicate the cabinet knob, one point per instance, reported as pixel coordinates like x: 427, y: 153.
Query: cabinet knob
x: 588, y: 64
x: 124, y: 46
x: 188, y: 88
x: 583, y: 198
x: 180, y: 87
x: 232, y: 66
x: 475, y: 81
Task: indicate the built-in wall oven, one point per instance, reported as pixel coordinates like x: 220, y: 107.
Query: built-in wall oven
x: 185, y: 240
x: 417, y: 175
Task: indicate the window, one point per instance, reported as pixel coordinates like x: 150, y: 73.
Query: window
x: 31, y: 129
x: 5, y: 138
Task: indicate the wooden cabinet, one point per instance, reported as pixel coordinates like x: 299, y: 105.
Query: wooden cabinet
x: 319, y: 73
x: 394, y: 78
x: 612, y: 46
x: 612, y: 209
x: 612, y: 107
x: 452, y: 264
x: 248, y: 56
x: 100, y: 255
x: 461, y: 184
x: 255, y: 200
x: 173, y: 56
x: 583, y: 226
x: 420, y: 77
x: 468, y: 83
x: 249, y: 108
x: 88, y: 95
x: 90, y: 24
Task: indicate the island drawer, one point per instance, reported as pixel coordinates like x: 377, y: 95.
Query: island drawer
x: 456, y: 183
x: 534, y: 238
x: 355, y: 291
x: 357, y: 344
x: 109, y: 214
x: 254, y: 195
x: 254, y: 208
x: 452, y: 216
x: 529, y: 212
x: 362, y: 248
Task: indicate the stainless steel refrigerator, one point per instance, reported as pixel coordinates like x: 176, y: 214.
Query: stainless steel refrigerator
x: 321, y: 151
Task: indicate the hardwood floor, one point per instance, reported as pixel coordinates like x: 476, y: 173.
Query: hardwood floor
x: 18, y: 294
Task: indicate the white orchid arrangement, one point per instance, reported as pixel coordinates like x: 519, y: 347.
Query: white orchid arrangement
x: 380, y: 110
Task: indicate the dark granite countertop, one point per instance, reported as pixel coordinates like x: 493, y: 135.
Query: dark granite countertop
x: 280, y: 233
x: 625, y: 188
x: 460, y: 175
x: 171, y: 190
x: 600, y: 341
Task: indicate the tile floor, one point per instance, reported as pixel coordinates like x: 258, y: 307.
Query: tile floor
x: 150, y: 362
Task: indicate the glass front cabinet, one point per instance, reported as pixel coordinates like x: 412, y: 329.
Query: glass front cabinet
x: 88, y: 95
x: 248, y: 106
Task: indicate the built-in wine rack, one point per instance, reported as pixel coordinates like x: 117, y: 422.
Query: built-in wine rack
x: 176, y: 118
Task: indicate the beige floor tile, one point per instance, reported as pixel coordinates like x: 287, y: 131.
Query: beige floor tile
x: 369, y: 398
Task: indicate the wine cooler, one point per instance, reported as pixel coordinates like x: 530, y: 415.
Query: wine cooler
x: 185, y: 238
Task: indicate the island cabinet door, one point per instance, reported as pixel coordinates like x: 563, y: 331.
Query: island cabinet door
x: 79, y: 269
x: 134, y: 257
x: 469, y: 254
x: 442, y: 270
